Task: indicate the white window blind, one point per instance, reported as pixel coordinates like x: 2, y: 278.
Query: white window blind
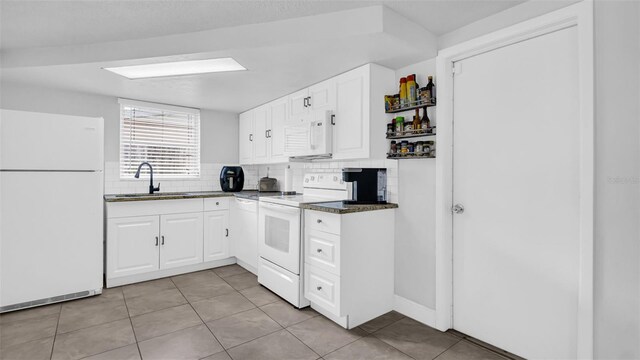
x: 168, y: 137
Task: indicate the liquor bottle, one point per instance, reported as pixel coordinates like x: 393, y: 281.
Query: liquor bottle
x: 425, y: 123
x: 431, y: 88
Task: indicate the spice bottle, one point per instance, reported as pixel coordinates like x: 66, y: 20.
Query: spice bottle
x: 426, y: 122
x: 399, y: 125
x: 403, y: 92
x: 431, y: 88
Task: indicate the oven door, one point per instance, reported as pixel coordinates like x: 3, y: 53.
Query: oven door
x: 279, y: 235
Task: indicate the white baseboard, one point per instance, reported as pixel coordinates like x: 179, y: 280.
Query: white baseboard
x: 131, y: 279
x: 247, y: 267
x: 415, y: 311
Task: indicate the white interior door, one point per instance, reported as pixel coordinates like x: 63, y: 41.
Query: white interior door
x: 516, y: 172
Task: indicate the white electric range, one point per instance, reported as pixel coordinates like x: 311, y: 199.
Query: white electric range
x: 280, y: 234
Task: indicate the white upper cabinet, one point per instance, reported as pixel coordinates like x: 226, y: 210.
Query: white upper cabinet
x: 261, y: 124
x: 351, y: 121
x: 298, y: 105
x: 278, y: 116
x: 180, y: 240
x: 322, y: 96
x: 355, y: 100
x: 245, y: 141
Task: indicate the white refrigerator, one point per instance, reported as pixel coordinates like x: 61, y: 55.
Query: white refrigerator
x: 51, y: 208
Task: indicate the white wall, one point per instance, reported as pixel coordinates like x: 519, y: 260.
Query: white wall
x: 415, y: 266
x: 218, y: 142
x: 617, y: 213
x: 617, y: 252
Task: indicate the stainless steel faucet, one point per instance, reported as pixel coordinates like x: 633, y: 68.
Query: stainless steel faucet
x: 137, y: 176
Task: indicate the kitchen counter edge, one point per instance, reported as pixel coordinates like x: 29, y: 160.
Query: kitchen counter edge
x: 249, y: 194
x: 337, y: 207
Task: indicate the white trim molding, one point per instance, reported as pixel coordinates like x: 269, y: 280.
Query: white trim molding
x: 581, y: 16
x: 414, y: 310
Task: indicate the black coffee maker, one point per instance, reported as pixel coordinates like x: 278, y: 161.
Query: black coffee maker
x: 231, y: 178
x: 368, y: 185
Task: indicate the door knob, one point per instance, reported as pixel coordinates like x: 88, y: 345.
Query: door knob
x: 458, y: 208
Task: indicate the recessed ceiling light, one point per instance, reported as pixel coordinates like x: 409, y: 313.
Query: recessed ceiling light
x: 177, y: 68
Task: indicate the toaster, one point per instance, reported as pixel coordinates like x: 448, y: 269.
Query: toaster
x: 268, y: 184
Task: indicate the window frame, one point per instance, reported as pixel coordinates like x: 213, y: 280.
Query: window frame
x: 123, y: 176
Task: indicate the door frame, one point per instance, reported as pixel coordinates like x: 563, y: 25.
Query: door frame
x: 581, y: 16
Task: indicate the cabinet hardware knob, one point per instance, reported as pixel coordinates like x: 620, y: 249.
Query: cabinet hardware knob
x: 319, y: 250
x: 162, y: 239
x: 319, y: 288
x: 156, y: 241
x: 319, y: 221
x: 217, y: 203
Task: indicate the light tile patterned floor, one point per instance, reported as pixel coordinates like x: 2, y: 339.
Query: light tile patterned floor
x: 218, y: 314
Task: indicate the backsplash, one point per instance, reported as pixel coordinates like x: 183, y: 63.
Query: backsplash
x: 209, y: 181
x: 209, y: 177
x: 255, y: 172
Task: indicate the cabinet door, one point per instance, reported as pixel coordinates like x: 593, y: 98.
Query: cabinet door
x: 245, y: 138
x: 133, y: 245
x: 260, y: 139
x: 278, y: 115
x: 216, y: 235
x: 322, y: 96
x: 180, y: 240
x: 298, y: 104
x: 351, y: 130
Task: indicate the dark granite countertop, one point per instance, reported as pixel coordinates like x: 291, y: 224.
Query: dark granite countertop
x: 245, y: 194
x: 338, y: 207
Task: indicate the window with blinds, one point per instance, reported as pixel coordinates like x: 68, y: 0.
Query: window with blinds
x: 168, y: 137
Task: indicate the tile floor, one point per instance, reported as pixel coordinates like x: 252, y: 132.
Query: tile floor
x: 214, y: 314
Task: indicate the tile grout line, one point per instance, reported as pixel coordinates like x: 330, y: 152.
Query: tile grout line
x: 124, y: 298
x: 200, y: 317
x: 287, y: 330
x: 55, y: 334
x: 447, y: 349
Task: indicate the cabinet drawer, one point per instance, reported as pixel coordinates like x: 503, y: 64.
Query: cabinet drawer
x: 217, y: 203
x: 321, y: 221
x: 323, y: 250
x: 322, y: 288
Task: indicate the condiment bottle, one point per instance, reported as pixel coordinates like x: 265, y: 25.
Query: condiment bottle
x: 431, y: 88
x: 411, y: 89
x: 403, y: 92
x: 416, y: 120
x: 425, y: 123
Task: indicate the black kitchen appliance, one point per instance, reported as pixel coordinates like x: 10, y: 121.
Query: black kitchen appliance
x: 368, y: 185
x: 231, y: 178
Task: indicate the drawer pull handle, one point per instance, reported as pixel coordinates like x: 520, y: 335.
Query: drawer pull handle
x: 156, y: 241
x: 319, y: 288
x: 319, y: 221
x: 319, y: 250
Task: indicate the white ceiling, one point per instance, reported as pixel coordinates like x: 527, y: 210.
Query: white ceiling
x: 56, y: 23
x: 286, y: 45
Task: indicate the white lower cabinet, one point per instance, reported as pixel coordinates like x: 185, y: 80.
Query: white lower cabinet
x: 216, y: 235
x: 180, y: 240
x: 152, y: 239
x: 348, y: 264
x: 133, y: 245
